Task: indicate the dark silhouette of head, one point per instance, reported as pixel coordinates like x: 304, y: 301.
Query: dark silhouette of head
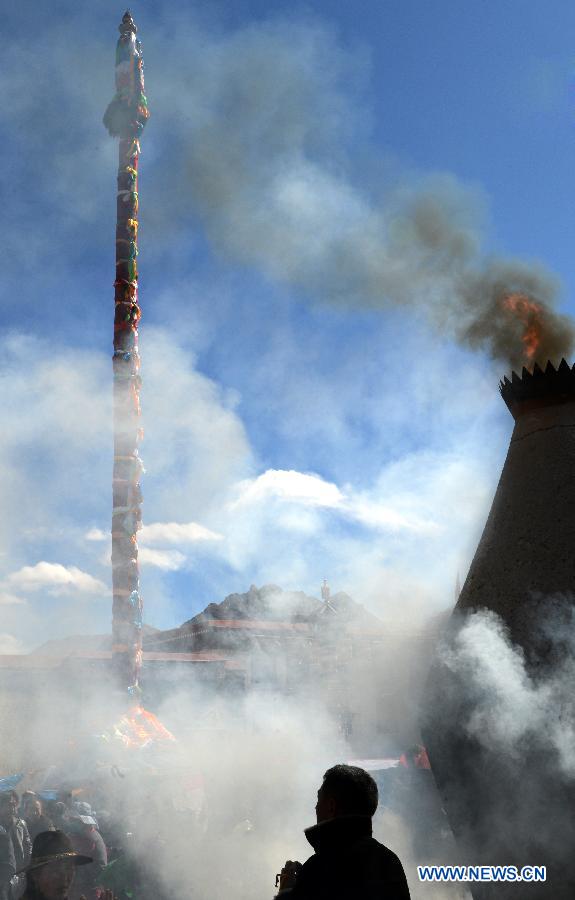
x: 346, y: 791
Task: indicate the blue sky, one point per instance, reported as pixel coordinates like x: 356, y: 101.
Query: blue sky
x: 309, y: 403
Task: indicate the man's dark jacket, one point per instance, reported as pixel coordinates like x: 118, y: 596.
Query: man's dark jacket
x: 348, y: 864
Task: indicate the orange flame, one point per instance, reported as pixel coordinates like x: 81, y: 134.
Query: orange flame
x: 139, y: 727
x: 529, y: 314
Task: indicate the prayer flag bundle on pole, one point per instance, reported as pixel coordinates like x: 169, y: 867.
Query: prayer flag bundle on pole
x: 125, y: 118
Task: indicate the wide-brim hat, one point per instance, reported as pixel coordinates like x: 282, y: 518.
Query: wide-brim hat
x: 53, y: 846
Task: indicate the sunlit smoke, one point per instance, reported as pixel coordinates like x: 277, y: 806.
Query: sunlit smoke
x: 508, y: 703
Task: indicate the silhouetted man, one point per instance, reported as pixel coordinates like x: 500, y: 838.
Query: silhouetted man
x: 348, y: 862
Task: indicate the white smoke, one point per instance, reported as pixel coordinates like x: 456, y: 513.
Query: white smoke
x: 511, y: 704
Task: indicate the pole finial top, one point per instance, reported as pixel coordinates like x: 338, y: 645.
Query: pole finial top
x: 127, y: 26
x: 126, y: 115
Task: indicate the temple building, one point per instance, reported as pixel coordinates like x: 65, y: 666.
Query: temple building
x: 266, y: 639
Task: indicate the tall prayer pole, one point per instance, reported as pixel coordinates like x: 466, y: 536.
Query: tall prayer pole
x: 125, y: 118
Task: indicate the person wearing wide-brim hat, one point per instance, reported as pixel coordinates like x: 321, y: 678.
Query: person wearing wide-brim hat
x: 50, y: 872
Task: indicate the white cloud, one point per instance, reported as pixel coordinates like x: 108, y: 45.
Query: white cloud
x: 195, y: 443
x: 176, y: 533
x: 10, y: 644
x: 307, y: 489
x: 8, y: 599
x: 55, y: 472
x: 168, y: 560
x: 56, y: 578
x: 96, y: 534
x: 373, y: 514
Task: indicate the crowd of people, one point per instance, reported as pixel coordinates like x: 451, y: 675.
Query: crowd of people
x: 23, y: 819
x: 58, y: 847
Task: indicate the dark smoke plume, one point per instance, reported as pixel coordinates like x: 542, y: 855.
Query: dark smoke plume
x: 511, y: 315
x: 268, y: 114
